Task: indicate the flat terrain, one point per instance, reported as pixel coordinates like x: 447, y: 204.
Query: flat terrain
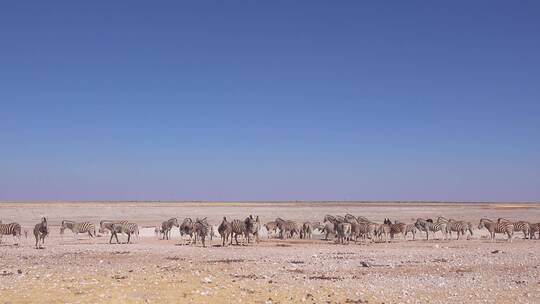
x: 84, y: 270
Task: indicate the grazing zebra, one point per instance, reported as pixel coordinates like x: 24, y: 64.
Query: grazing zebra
x: 271, y: 228
x: 253, y: 225
x: 494, y: 227
x: 13, y: 229
x: 522, y: 226
x: 306, y: 231
x: 343, y: 231
x: 201, y: 229
x: 287, y: 228
x: 239, y: 228
x: 410, y: 228
x: 225, y: 230
x: 428, y: 225
x: 167, y: 226
x: 78, y: 227
x: 535, y: 228
x: 41, y: 231
x: 127, y: 228
x: 186, y: 228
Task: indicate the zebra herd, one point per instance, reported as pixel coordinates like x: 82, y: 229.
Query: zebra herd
x: 352, y: 228
x: 344, y: 229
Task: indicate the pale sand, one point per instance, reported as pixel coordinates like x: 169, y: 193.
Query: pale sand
x: 87, y: 270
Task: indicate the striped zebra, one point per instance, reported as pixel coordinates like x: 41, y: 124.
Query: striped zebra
x: 535, y: 228
x: 494, y: 227
x: 383, y: 229
x: 128, y: 228
x: 460, y: 227
x: 239, y: 229
x: 410, y: 228
x: 13, y: 229
x: 253, y: 225
x: 271, y: 228
x: 186, y: 228
x: 349, y: 218
x: 428, y: 225
x: 201, y: 229
x: 306, y: 231
x: 105, y: 226
x: 522, y: 226
x: 167, y: 226
x: 287, y: 228
x: 328, y: 229
x: 396, y: 228
x: 367, y: 230
x: 41, y: 230
x: 343, y: 231
x: 78, y: 227
x: 225, y: 230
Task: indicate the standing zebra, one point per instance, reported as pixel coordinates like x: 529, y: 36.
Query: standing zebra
x: 77, y: 228
x: 410, y: 228
x: 41, y: 231
x: 522, y: 226
x: 13, y: 229
x: 328, y: 228
x: 343, y: 231
x: 186, y: 228
x: 253, y: 225
x: 239, y: 228
x: 201, y: 229
x: 494, y: 227
x: 225, y: 230
x: 428, y: 225
x: 460, y: 227
x: 271, y: 228
x: 306, y: 231
x: 287, y: 228
x: 127, y: 228
x: 383, y: 229
x: 105, y: 226
x: 167, y: 226
x: 535, y: 228
x: 396, y: 228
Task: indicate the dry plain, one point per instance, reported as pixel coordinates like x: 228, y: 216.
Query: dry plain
x: 84, y: 270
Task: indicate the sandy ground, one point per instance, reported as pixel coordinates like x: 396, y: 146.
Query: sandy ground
x: 84, y: 270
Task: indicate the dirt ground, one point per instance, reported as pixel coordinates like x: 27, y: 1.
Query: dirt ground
x: 83, y: 270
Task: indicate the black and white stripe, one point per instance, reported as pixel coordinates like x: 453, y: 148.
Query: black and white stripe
x: 13, y: 229
x: 497, y: 227
x: 428, y: 225
x: 167, y: 226
x: 41, y: 230
x: 225, y: 230
x: 78, y: 227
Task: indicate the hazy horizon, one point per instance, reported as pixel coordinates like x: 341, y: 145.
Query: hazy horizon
x: 311, y: 101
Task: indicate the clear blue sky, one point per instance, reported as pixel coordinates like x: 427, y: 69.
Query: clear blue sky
x: 313, y: 100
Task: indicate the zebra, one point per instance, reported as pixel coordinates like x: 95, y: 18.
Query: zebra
x: 328, y: 228
x: 287, y: 228
x: 410, y: 228
x: 78, y: 227
x: 201, y: 229
x: 253, y: 225
x: 225, y: 230
x: 167, y: 226
x: 497, y: 227
x: 534, y: 229
x: 343, y: 231
x: 428, y: 225
x: 522, y: 226
x: 127, y: 228
x: 41, y: 231
x: 13, y: 229
x: 383, y: 229
x: 366, y: 230
x: 395, y: 228
x: 239, y: 228
x: 349, y: 218
x: 306, y: 230
x: 105, y: 226
x: 460, y: 227
x: 271, y: 228
x: 186, y: 228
